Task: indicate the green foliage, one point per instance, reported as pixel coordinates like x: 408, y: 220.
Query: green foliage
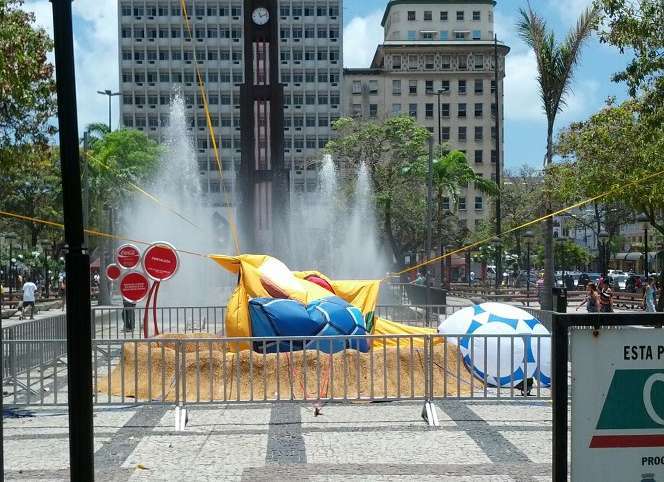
x: 637, y: 27
x: 32, y: 188
x: 616, y: 146
x: 26, y: 81
x: 568, y: 255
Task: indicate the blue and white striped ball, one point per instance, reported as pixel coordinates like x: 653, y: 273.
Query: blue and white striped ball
x: 505, y: 360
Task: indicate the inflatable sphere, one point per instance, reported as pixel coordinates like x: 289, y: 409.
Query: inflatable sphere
x: 502, y: 359
x: 271, y: 318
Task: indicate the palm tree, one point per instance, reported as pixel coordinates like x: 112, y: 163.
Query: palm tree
x: 555, y: 68
x: 97, y: 131
x: 451, y: 172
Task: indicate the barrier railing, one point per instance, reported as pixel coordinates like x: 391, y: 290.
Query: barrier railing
x: 181, y: 371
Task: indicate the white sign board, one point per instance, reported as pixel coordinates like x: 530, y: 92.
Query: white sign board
x: 618, y: 405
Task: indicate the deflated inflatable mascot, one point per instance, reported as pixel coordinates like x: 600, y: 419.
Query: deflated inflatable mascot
x: 272, y: 301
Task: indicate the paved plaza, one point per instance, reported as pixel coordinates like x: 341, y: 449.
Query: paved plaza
x: 477, y: 440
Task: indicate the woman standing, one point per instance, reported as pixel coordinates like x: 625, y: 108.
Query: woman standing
x: 649, y: 296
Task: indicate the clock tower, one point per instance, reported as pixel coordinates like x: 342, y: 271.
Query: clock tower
x: 263, y: 179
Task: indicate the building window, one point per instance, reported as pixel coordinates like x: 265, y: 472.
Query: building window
x: 493, y: 86
x: 459, y: 36
x: 459, y: 15
x: 428, y: 111
x: 443, y: 35
x: 478, y: 156
x: 462, y: 87
x: 479, y: 86
x: 462, y: 203
x: 411, y: 15
x: 373, y: 110
x: 462, y: 62
x: 493, y: 133
x: 478, y: 110
x: 479, y: 62
x: 396, y: 62
x: 427, y: 15
x: 479, y: 133
x: 428, y: 86
x: 446, y: 203
x: 493, y: 110
x: 284, y: 10
x: 445, y: 133
x: 493, y: 156
x: 477, y: 35
x: 412, y: 35
x: 443, y: 16
x: 396, y: 109
x: 462, y: 133
x: 428, y: 62
x: 412, y: 110
x: 479, y: 203
x: 476, y: 15
x: 356, y: 110
x: 462, y: 110
x: 412, y: 87
x: 357, y: 87
x: 373, y: 87
x: 445, y: 62
x: 427, y: 35
x: 445, y: 86
x: 396, y: 87
x: 445, y: 110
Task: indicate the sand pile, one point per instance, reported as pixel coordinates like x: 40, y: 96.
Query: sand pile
x: 213, y: 373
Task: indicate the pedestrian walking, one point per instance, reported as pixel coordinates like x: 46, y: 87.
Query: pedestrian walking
x: 591, y: 300
x: 29, y: 290
x: 650, y: 296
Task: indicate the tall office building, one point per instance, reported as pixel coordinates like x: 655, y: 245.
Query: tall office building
x: 157, y: 56
x: 438, y: 49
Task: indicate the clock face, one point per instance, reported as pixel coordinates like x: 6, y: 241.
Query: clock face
x: 260, y: 16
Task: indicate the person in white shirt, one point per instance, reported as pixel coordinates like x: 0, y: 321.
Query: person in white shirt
x: 29, y: 289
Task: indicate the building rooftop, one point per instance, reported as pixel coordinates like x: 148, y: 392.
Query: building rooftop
x: 393, y: 3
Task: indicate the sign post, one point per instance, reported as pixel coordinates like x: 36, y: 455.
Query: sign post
x: 618, y: 404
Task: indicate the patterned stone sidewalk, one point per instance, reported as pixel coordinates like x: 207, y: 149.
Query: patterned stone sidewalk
x: 477, y: 440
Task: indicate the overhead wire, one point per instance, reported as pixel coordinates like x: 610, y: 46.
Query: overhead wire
x: 201, y: 87
x: 136, y: 187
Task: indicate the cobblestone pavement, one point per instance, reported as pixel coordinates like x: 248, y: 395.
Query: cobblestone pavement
x: 478, y: 440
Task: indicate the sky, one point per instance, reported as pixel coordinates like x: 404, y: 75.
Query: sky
x: 96, y: 51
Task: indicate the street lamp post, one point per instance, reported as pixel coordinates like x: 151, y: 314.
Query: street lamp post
x: 603, y: 237
x: 10, y: 278
x: 645, y: 220
x: 499, y: 262
x: 45, y: 243
x: 429, y: 227
x: 498, y: 245
x: 110, y: 94
x: 561, y: 243
x: 440, y: 92
x: 528, y: 236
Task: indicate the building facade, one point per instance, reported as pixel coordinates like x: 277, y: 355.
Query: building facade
x: 438, y: 51
x: 157, y: 57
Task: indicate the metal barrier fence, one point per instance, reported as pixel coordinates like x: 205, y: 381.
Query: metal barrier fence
x: 214, y: 370
x: 18, y: 359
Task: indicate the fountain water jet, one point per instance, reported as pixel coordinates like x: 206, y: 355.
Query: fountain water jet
x: 177, y: 184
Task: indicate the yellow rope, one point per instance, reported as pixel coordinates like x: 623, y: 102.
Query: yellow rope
x: 92, y: 232
x: 529, y: 223
x: 201, y: 87
x: 142, y: 191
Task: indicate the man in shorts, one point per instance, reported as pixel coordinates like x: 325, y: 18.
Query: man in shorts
x: 29, y: 290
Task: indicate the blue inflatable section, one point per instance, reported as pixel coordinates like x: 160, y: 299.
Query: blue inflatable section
x: 331, y: 316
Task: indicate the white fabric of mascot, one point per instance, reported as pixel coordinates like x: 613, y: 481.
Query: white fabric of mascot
x: 505, y: 359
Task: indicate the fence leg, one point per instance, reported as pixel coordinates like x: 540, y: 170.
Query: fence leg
x: 429, y: 413
x: 181, y: 418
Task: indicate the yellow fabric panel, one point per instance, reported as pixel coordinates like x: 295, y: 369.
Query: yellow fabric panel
x: 387, y: 327
x: 361, y: 294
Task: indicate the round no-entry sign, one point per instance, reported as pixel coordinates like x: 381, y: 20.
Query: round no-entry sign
x: 128, y: 256
x: 113, y: 272
x: 161, y: 261
x: 134, y: 286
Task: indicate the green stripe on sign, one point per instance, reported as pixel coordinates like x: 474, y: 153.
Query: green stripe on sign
x: 625, y: 405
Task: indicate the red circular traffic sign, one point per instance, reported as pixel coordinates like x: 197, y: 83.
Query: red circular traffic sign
x: 134, y: 286
x: 161, y: 261
x: 113, y: 272
x: 128, y: 256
